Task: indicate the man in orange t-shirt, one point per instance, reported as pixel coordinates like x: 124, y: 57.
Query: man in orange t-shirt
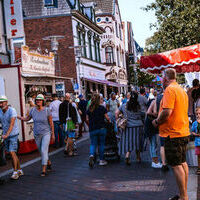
x: 173, y: 125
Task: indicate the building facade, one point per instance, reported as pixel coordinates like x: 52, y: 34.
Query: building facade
x: 76, y: 24
x: 4, y: 54
x: 112, y: 41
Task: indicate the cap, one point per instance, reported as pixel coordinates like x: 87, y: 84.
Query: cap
x: 3, y: 98
x: 40, y: 97
x: 80, y: 96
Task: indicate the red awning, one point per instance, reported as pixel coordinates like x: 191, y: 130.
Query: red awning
x: 185, y: 59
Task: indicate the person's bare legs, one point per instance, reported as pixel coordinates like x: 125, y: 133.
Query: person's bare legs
x: 162, y: 155
x: 15, y: 161
x: 181, y: 174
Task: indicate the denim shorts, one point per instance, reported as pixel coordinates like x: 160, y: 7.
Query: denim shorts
x: 11, y: 144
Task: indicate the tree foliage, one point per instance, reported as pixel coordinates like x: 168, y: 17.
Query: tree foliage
x: 178, y: 25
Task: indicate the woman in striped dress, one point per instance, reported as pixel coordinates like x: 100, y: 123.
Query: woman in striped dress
x: 132, y: 138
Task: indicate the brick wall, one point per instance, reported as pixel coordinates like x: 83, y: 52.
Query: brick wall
x: 36, y: 29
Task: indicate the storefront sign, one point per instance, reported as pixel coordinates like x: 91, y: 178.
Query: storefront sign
x: 14, y: 18
x: 33, y: 62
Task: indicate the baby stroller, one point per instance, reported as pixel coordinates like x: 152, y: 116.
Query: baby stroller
x: 111, y: 144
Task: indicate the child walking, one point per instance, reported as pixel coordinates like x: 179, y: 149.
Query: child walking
x: 196, y: 133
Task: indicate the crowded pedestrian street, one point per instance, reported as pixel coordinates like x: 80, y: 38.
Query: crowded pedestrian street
x: 72, y: 179
x: 99, y: 100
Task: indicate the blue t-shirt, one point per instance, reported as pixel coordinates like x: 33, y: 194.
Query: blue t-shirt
x: 195, y: 129
x: 97, y: 118
x: 40, y: 121
x: 5, y: 119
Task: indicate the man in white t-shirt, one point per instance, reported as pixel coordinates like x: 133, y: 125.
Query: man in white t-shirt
x: 54, y: 107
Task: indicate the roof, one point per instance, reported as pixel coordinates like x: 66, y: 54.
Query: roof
x: 103, y: 6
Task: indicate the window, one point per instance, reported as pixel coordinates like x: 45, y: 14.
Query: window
x: 88, y: 12
x: 72, y: 3
x: 84, y: 48
x: 107, y: 19
x: 118, y: 57
x: 50, y: 3
x: 98, y: 52
x: 116, y: 28
x: 120, y: 32
x: 109, y: 55
x: 98, y: 19
x: 90, y: 46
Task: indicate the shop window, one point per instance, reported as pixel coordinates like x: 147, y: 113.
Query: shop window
x: 109, y: 55
x: 51, y: 3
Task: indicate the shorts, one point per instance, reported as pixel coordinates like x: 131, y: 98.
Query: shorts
x: 197, y: 151
x: 162, y: 141
x: 175, y: 150
x: 11, y: 144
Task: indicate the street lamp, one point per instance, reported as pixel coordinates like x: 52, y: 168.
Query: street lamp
x: 78, y: 54
x: 54, y: 48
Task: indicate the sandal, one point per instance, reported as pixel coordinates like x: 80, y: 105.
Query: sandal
x: 49, y: 168
x: 128, y: 161
x: 177, y: 197
x: 198, y: 171
x: 43, y: 174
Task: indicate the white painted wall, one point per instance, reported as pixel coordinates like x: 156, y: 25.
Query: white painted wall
x: 10, y: 76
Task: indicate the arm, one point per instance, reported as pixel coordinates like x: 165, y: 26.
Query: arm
x: 106, y: 116
x: 151, y: 109
x: 12, y: 122
x: 52, y: 127
x: 163, y: 116
x: 24, y: 118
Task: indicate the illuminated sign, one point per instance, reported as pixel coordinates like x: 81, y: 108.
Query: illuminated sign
x: 14, y: 19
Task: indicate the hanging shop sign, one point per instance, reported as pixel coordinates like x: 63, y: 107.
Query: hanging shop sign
x: 36, y: 63
x: 14, y: 19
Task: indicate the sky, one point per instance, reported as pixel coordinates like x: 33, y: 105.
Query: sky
x: 131, y: 11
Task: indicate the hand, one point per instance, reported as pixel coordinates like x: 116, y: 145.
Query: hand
x: 4, y: 137
x: 154, y: 123
x: 53, y: 137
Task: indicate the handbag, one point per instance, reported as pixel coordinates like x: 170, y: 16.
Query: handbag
x: 122, y: 122
x: 69, y: 123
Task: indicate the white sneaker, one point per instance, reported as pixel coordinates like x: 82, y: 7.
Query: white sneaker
x: 103, y: 162
x: 20, y: 172
x: 156, y: 165
x: 15, y: 175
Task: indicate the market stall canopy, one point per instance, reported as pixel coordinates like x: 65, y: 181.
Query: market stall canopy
x: 184, y: 60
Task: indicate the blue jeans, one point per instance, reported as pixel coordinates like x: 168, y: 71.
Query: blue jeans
x: 154, y: 145
x: 42, y: 142
x: 95, y: 137
x: 58, y: 132
x: 11, y: 143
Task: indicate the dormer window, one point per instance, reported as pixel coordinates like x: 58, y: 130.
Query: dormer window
x: 50, y: 3
x: 98, y: 19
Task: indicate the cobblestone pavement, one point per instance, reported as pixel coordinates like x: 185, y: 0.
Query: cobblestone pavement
x: 71, y: 179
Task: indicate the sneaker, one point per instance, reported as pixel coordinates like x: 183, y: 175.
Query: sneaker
x: 20, y: 172
x: 103, y: 162
x: 91, y: 162
x: 165, y: 168
x: 156, y: 165
x: 15, y: 175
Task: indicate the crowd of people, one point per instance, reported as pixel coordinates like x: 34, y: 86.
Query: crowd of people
x: 158, y: 117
